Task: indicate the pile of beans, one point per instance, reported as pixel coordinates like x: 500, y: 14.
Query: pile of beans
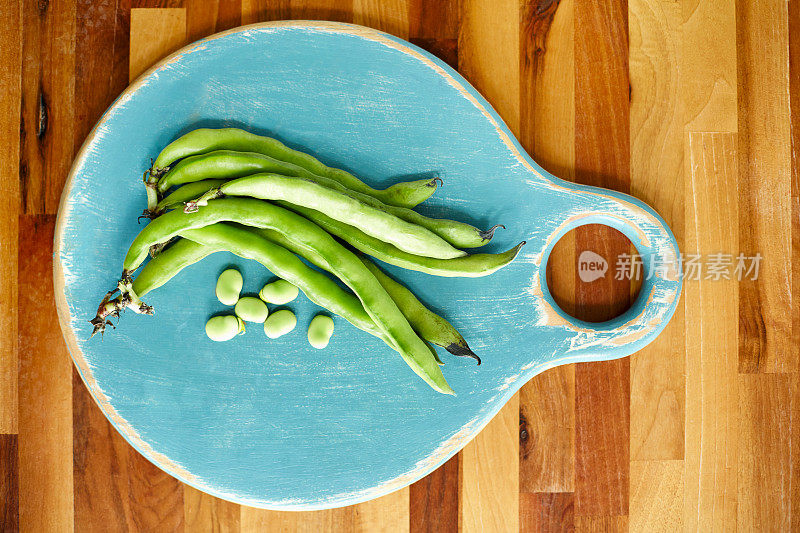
x: 230, y: 190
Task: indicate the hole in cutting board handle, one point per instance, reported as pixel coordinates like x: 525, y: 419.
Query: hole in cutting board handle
x: 583, y: 270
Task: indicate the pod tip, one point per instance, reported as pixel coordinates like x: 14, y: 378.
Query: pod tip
x: 462, y: 350
x: 489, y: 233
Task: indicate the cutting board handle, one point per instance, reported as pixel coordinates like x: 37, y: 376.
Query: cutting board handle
x: 659, y: 258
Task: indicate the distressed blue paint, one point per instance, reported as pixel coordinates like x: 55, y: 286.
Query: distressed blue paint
x: 276, y: 423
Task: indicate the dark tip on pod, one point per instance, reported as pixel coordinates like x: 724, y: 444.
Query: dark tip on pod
x: 489, y: 233
x: 432, y: 183
x: 463, y: 351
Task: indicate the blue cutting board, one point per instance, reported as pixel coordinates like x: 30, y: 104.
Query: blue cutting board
x: 275, y: 423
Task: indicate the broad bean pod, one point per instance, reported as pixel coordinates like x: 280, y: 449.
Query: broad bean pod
x: 347, y: 267
x: 206, y: 140
x: 426, y: 323
x: 375, y: 222
x: 226, y: 164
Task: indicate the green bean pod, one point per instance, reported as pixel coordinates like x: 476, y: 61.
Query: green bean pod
x: 426, y: 323
x: 469, y: 266
x: 188, y: 192
x: 204, y: 140
x: 226, y: 164
x: 347, y: 267
x: 184, y: 252
x: 406, y: 236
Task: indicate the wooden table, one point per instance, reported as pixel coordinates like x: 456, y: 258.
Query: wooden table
x: 690, y: 105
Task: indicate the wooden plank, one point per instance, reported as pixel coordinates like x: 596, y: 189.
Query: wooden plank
x: 547, y: 432
x: 602, y: 148
x: 601, y: 524
x: 390, y: 16
x: 387, y: 514
x: 203, y: 512
x: 434, y: 500
x: 263, y: 10
x: 712, y: 324
x: 546, y: 512
x: 11, y: 89
x: 489, y: 494
x: 794, y: 103
x: 155, y: 33
x: 434, y: 26
x: 257, y: 520
x: 765, y: 466
x: 116, y: 489
x: 204, y: 17
x: 45, y: 388
x: 765, y: 312
x: 102, y: 44
x: 547, y: 92
x: 336, y: 10
x: 708, y: 65
x: 794, y: 492
x: 156, y: 3
x: 434, y: 20
x: 656, y: 126
x: 9, y: 483
x: 656, y: 496
x: 48, y: 65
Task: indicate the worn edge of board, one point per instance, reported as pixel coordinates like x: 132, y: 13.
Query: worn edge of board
x: 553, y: 316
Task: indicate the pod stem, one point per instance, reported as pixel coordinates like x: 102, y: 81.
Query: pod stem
x: 434, y: 180
x: 110, y: 308
x: 489, y: 233
x: 462, y: 351
x: 193, y: 205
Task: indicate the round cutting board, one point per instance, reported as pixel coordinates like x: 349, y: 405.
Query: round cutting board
x: 275, y: 423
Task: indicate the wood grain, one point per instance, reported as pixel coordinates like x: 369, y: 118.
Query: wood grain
x: 387, y: 514
x: 46, y: 127
x: 102, y: 44
x: 489, y: 489
x: 390, y: 16
x: 656, y: 126
x: 547, y: 131
x: 204, y: 17
x: 155, y: 33
x: 656, y: 496
x: 9, y: 483
x: 765, y: 316
x: 45, y: 388
x: 264, y: 10
x: 765, y: 468
x: 710, y: 448
x: 336, y: 10
x: 712, y: 323
x: 116, y: 489
x: 602, y: 413
x: 434, y: 499
x: 794, y: 104
x: 435, y: 20
x: 11, y: 89
x: 256, y: 520
x: 546, y: 512
x: 203, y: 512
x: 708, y: 65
